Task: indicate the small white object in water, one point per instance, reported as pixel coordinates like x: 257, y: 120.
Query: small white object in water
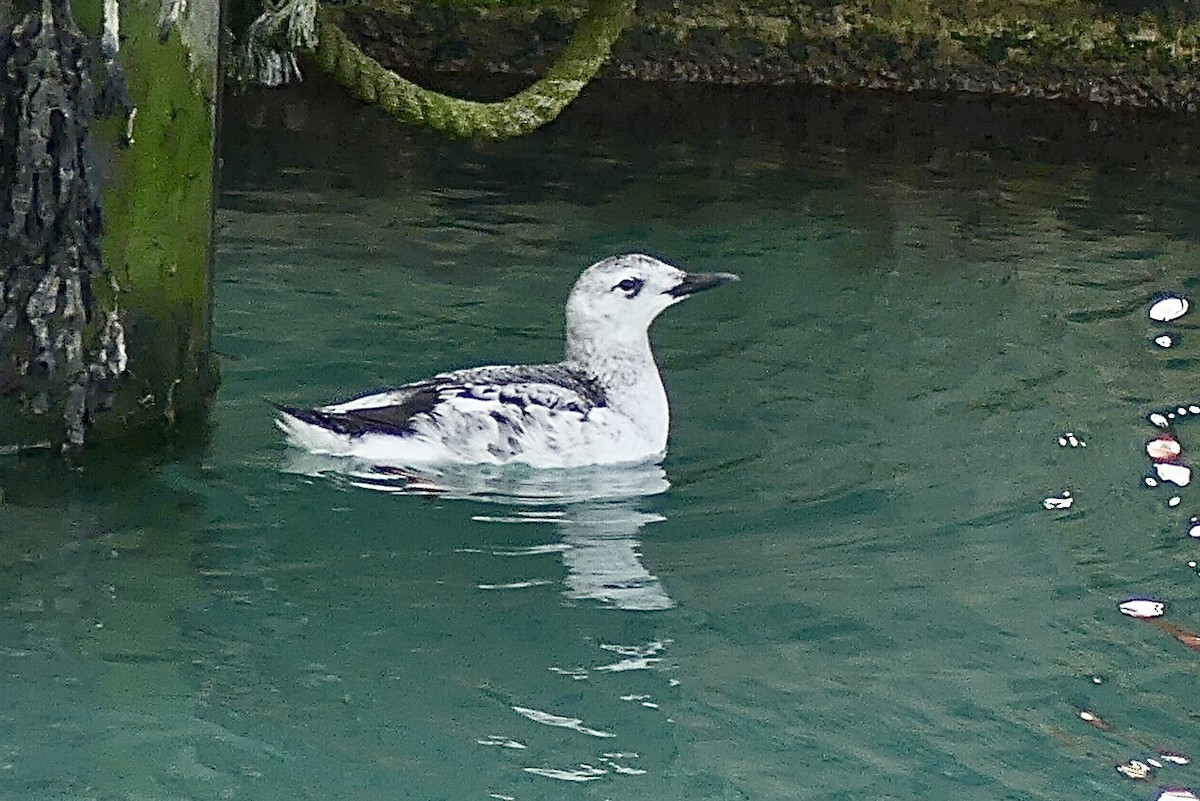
x: 1164, y: 340
x: 1181, y: 411
x: 1175, y: 501
x: 1154, y: 763
x: 1171, y: 307
x: 1069, y: 439
x: 1134, y: 769
x: 1178, y: 474
x: 1151, y: 482
x: 1163, y: 448
x: 1176, y: 794
x: 1142, y: 608
x: 1159, y: 420
x: 1063, y: 502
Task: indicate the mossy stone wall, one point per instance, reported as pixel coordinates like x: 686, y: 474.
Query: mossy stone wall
x: 1120, y: 53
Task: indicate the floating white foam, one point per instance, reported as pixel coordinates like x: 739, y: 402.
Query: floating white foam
x: 1168, y: 308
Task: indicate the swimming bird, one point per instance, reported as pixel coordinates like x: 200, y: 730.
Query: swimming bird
x: 604, y: 403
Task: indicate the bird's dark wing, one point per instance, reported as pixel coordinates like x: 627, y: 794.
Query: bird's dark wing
x: 514, y: 389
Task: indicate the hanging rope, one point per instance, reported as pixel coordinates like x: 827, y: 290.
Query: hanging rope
x: 531, y: 108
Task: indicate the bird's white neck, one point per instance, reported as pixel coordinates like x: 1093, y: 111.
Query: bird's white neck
x: 625, y: 369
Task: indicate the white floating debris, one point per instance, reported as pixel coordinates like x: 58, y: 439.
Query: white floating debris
x: 1168, y: 308
x: 1059, y: 502
x: 1142, y: 608
x: 1178, y: 474
x: 1174, y: 757
x: 1177, y: 794
x: 1092, y: 719
x: 1164, y: 341
x: 1163, y: 448
x: 1134, y: 769
x: 1159, y: 420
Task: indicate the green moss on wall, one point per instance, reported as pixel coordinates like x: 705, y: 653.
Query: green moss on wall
x: 158, y: 206
x: 1136, y: 54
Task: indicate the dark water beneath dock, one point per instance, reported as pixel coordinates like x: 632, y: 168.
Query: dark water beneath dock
x: 841, y: 584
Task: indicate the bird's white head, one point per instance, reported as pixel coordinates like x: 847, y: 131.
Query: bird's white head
x: 615, y: 300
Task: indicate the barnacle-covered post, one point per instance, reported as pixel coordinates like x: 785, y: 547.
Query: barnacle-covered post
x: 109, y: 110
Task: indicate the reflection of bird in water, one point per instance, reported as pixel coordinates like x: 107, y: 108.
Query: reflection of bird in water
x: 595, y: 509
x: 603, y: 404
x: 603, y: 562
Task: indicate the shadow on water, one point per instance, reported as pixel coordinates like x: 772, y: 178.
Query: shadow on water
x: 96, y: 569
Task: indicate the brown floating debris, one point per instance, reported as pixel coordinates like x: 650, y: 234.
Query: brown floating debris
x: 1163, y: 448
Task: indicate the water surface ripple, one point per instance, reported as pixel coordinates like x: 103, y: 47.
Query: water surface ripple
x: 843, y: 581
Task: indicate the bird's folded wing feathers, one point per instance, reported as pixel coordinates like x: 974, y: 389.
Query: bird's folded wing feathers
x: 514, y: 389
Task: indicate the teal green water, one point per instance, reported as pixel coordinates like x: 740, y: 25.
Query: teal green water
x: 841, y: 584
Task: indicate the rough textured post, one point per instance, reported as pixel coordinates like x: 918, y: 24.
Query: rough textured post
x: 110, y: 114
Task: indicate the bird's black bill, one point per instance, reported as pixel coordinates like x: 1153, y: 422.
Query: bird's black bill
x: 698, y: 282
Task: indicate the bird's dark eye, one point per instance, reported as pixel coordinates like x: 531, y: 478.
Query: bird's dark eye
x: 631, y: 286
